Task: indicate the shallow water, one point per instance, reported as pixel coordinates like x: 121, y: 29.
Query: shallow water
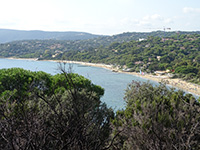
x: 114, y: 83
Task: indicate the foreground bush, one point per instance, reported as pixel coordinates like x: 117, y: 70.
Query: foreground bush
x: 40, y: 111
x: 157, y: 118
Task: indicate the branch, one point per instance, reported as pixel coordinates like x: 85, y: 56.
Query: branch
x: 113, y: 140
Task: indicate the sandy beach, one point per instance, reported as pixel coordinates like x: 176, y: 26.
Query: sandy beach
x: 177, y: 83
x: 33, y: 59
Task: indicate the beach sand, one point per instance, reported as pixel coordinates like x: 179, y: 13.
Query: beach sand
x: 33, y: 59
x: 177, y: 83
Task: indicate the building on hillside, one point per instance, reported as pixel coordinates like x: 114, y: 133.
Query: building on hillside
x: 158, y: 73
x: 158, y: 58
x: 138, y: 62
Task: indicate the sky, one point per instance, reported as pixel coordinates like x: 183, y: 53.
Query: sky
x: 105, y: 17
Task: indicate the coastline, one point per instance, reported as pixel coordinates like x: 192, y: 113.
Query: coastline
x: 176, y: 83
x: 33, y: 59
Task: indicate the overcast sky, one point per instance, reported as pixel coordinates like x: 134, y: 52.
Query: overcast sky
x: 106, y: 17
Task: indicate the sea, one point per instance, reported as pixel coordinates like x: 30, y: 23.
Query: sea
x: 114, y: 83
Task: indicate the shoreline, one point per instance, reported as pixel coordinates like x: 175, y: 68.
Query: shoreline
x: 33, y: 59
x: 176, y: 83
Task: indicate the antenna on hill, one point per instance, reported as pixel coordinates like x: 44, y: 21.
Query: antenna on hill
x: 164, y: 32
x: 177, y: 32
x: 164, y: 29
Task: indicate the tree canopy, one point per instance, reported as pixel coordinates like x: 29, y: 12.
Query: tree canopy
x: 64, y: 111
x: 42, y: 111
x: 130, y: 51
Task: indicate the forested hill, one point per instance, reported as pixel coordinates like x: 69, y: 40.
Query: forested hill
x: 7, y: 35
x: 129, y: 36
x: 47, y: 47
x: 64, y: 111
x: 178, y: 52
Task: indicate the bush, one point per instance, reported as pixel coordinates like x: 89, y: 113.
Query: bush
x: 157, y: 118
x: 186, y: 70
x: 61, y: 115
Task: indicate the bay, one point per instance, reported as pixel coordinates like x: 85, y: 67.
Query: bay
x: 114, y: 83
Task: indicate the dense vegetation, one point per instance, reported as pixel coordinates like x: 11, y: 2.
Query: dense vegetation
x: 179, y: 54
x: 64, y: 111
x: 147, y: 51
x: 41, y: 111
x: 46, y: 49
x: 157, y: 118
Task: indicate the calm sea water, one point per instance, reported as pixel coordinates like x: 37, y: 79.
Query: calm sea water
x: 114, y: 83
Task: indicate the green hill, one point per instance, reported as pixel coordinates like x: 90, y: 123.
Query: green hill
x: 7, y: 35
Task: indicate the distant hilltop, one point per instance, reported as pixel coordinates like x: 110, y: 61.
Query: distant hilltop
x: 8, y: 35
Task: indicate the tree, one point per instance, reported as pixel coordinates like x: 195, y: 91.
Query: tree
x: 67, y: 116
x: 157, y: 118
x: 186, y: 70
x: 23, y: 82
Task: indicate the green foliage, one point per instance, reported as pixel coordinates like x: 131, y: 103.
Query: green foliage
x: 157, y: 118
x: 63, y: 111
x: 23, y: 82
x: 78, y: 81
x: 177, y: 52
x: 150, y: 54
x: 186, y: 70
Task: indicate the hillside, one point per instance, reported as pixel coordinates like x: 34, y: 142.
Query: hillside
x: 48, y: 47
x: 147, y: 52
x: 180, y: 55
x: 7, y: 35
